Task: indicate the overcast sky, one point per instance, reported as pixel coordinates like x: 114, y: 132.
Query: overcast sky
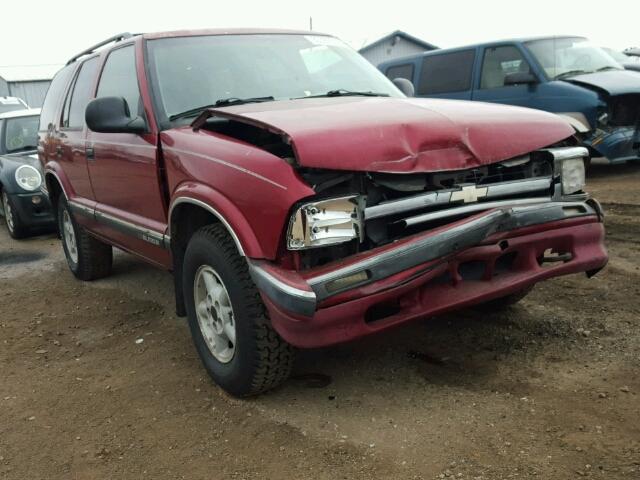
x: 39, y: 32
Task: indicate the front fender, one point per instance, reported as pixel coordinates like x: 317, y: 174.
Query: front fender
x: 220, y: 206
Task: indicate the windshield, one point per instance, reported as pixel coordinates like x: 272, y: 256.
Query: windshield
x: 565, y: 57
x: 190, y: 72
x: 21, y: 134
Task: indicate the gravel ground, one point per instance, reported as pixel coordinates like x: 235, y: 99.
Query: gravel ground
x: 100, y: 380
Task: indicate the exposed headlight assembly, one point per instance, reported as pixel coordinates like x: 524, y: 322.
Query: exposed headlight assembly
x: 28, y: 178
x: 572, y: 176
x: 326, y: 222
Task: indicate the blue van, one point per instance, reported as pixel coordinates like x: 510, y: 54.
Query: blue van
x: 569, y: 76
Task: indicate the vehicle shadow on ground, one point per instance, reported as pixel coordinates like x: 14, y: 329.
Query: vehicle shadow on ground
x: 603, y: 170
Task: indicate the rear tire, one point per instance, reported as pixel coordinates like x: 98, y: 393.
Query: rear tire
x: 229, y: 323
x: 14, y: 226
x: 88, y: 258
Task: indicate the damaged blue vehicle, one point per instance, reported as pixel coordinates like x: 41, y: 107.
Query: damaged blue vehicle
x: 569, y: 76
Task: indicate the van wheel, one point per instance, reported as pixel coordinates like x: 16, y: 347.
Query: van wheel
x: 88, y: 258
x: 228, y: 321
x: 14, y: 225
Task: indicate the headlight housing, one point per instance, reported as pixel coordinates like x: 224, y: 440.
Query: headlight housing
x: 326, y: 222
x: 28, y: 178
x: 573, y: 177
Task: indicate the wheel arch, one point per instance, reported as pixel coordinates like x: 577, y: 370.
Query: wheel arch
x: 193, y: 208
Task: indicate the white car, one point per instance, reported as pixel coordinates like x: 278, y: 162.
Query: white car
x: 8, y: 104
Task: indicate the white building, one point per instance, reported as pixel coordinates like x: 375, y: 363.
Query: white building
x: 28, y: 82
x: 395, y: 45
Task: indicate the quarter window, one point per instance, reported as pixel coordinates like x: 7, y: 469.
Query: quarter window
x: 76, y: 103
x: 499, y: 62
x: 119, y: 79
x: 400, y: 71
x: 446, y: 72
x: 52, y: 99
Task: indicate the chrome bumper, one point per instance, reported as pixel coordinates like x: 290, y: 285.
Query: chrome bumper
x: 424, y: 249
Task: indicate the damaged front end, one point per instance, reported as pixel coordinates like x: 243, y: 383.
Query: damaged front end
x: 373, y: 250
x: 617, y: 136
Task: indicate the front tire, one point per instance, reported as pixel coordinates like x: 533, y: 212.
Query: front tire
x: 88, y: 258
x: 228, y: 321
x: 14, y: 226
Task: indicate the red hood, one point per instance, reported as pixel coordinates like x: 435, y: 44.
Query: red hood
x: 402, y: 134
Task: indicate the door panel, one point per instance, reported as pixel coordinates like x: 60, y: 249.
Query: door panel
x: 123, y: 168
x: 69, y: 148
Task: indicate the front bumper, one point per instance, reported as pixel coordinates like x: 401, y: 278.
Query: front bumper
x: 617, y: 145
x: 32, y: 214
x: 470, y: 261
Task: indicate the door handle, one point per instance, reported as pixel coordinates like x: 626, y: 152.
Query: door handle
x: 90, y: 153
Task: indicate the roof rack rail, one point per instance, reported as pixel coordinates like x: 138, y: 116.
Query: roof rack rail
x: 115, y: 38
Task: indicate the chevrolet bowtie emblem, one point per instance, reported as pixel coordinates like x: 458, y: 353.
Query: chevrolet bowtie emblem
x: 468, y: 194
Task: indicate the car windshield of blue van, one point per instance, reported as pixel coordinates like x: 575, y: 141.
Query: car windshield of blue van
x: 568, y: 56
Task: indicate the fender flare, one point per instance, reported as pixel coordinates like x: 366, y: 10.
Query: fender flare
x: 224, y: 210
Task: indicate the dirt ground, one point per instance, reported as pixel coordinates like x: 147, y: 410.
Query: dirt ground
x: 100, y: 380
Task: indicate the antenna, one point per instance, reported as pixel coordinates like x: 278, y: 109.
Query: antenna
x: 311, y: 23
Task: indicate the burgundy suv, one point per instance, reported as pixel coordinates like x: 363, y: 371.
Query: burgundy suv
x: 299, y: 198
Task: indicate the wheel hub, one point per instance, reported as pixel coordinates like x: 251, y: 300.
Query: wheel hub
x: 215, y: 313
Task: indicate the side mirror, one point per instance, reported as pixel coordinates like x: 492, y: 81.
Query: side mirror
x: 112, y: 115
x: 520, y: 78
x: 405, y: 86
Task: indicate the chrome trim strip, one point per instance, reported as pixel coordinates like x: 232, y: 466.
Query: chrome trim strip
x: 226, y: 164
x: 288, y: 297
x: 443, y: 197
x: 476, y: 207
x: 124, y: 226
x: 396, y: 259
x: 81, y: 209
x: 143, y: 233
x: 450, y: 241
x: 218, y: 215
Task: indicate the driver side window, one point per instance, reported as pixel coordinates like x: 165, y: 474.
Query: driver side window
x: 499, y: 62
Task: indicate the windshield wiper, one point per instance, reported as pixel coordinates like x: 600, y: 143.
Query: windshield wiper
x: 570, y: 73
x: 341, y: 92
x: 604, y: 69
x: 223, y: 102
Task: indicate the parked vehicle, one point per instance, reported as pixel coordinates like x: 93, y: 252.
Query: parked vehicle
x: 299, y: 198
x: 564, y: 75
x: 623, y: 59
x: 23, y: 205
x: 9, y: 104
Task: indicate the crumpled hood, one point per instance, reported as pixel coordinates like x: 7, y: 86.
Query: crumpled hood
x: 613, y: 82
x: 401, y: 134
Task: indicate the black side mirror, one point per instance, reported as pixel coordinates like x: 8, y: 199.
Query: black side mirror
x: 520, y: 78
x: 405, y: 86
x: 112, y: 115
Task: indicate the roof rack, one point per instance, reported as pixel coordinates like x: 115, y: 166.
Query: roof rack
x: 115, y: 38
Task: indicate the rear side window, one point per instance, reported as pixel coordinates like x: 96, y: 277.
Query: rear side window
x: 119, y: 78
x: 401, y: 71
x: 79, y: 96
x: 53, y: 97
x: 499, y: 62
x: 445, y: 73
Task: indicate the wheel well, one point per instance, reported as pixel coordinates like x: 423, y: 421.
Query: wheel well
x: 186, y: 219
x: 55, y: 190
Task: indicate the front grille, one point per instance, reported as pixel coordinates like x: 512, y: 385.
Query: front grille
x: 447, y: 196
